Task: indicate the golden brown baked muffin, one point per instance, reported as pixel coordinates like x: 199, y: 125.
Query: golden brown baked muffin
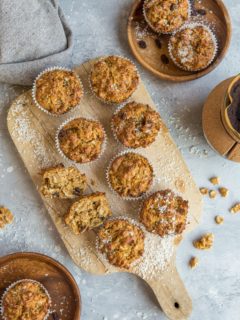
x: 166, y: 16
x: 114, y: 79
x: 26, y: 300
x: 63, y: 183
x: 6, y: 217
x: 193, y: 48
x: 164, y: 213
x: 81, y: 140
x: 136, y: 125
x: 88, y: 212
x: 121, y: 242
x: 130, y: 175
x: 58, y: 91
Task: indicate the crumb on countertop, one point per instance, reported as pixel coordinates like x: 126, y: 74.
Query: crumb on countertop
x: 205, y: 242
x: 193, y: 262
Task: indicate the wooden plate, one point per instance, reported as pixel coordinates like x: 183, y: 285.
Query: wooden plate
x: 54, y: 276
x: 157, y: 59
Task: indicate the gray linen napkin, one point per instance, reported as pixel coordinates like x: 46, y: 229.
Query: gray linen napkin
x: 33, y: 35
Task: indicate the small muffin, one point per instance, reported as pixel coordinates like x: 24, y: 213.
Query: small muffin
x: 81, y: 140
x: 114, y: 79
x: 6, y: 217
x: 88, y: 212
x: 164, y: 213
x: 166, y: 16
x: 130, y: 175
x: 58, y: 91
x: 136, y: 125
x: 26, y: 300
x: 193, y: 48
x: 121, y: 242
x: 63, y: 183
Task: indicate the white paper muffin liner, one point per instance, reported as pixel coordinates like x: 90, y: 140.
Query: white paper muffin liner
x: 108, y: 102
x: 143, y: 196
x: 167, y: 33
x: 34, y: 90
x: 103, y: 148
x: 15, y: 283
x: 191, y: 26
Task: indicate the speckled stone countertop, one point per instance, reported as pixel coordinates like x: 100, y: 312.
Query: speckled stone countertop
x: 100, y: 28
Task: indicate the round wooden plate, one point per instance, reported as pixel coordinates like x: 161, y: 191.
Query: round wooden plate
x: 155, y: 56
x: 64, y: 292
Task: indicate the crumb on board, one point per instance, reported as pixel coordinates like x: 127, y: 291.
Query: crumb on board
x: 223, y: 192
x: 6, y: 217
x: 215, y: 180
x: 235, y: 208
x: 205, y: 242
x: 203, y: 191
x: 193, y: 262
x: 219, y: 220
x: 212, y: 194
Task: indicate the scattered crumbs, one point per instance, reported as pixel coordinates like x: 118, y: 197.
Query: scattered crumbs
x: 204, y: 191
x: 224, y: 192
x: 235, y: 208
x: 219, y: 220
x: 193, y: 262
x: 205, y: 242
x: 214, y: 180
x: 212, y: 194
x: 10, y: 169
x: 93, y: 183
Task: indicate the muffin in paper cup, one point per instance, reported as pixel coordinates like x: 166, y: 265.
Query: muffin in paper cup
x: 176, y: 12
x: 109, y: 89
x: 122, y: 182
x: 206, y: 41
x: 44, y: 292
x: 57, y: 91
x: 67, y: 140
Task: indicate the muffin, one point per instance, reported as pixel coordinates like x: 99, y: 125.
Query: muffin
x: 57, y: 91
x: 26, y: 300
x: 130, y: 175
x: 114, y: 79
x: 88, y: 212
x: 166, y: 16
x: 63, y: 183
x: 81, y: 140
x: 193, y: 48
x: 136, y: 125
x: 164, y: 213
x: 6, y: 217
x: 121, y: 242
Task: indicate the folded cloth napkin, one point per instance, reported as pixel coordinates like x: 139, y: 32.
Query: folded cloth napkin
x: 34, y: 35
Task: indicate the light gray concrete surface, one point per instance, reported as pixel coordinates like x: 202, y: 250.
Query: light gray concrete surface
x: 100, y: 28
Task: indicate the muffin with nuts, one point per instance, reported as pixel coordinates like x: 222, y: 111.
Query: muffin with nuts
x: 63, y: 183
x: 136, y: 125
x: 81, y: 140
x: 88, y: 212
x: 130, y: 175
x: 121, y: 242
x: 164, y: 213
x: 114, y: 79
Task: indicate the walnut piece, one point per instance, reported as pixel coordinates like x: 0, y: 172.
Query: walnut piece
x: 219, y: 219
x: 223, y: 192
x: 6, y: 217
x: 214, y: 180
x: 204, y: 191
x: 235, y: 208
x: 205, y: 242
x: 212, y: 194
x: 193, y: 262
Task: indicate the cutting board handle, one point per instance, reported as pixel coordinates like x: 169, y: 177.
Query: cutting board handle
x: 172, y: 295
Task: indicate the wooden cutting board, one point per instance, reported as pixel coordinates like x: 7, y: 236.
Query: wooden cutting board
x: 33, y: 133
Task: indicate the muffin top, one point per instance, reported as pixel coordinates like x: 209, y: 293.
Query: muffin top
x: 130, y: 175
x: 88, y: 212
x: 121, y: 241
x: 81, y: 140
x: 136, y: 125
x: 6, y: 217
x: 193, y: 48
x: 164, y: 213
x: 63, y: 183
x: 114, y: 79
x: 166, y: 16
x: 26, y: 300
x: 58, y: 91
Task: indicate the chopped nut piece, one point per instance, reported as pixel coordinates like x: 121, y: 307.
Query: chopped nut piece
x: 205, y: 242
x: 223, y: 192
x: 193, y: 262
x: 235, y: 208
x: 6, y: 217
x: 204, y: 191
x: 219, y: 219
x: 214, y: 180
x: 212, y: 194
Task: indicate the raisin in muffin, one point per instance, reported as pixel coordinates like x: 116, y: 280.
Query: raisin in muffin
x: 193, y: 48
x: 63, y: 183
x: 26, y: 300
x: 136, y: 125
x: 166, y: 16
x: 6, y: 217
x: 121, y: 242
x: 164, y: 213
x: 57, y: 91
x: 81, y: 140
x: 114, y: 79
x: 88, y: 212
